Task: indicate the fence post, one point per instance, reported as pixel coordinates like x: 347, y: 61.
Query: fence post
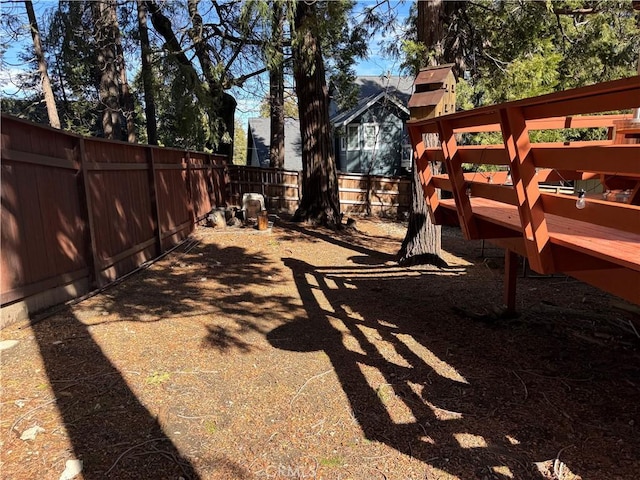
x: 229, y: 183
x: 92, y: 257
x: 369, y: 194
x: 192, y: 210
x: 209, y: 164
x: 153, y: 193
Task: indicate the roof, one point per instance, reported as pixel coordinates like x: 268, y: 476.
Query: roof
x: 260, y: 128
x: 401, y: 87
x: 426, y: 99
x: 433, y: 75
x: 347, y: 116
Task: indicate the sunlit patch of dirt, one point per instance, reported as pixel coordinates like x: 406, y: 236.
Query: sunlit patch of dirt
x: 306, y: 353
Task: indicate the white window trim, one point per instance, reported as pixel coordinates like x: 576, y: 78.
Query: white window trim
x: 376, y: 133
x: 357, y: 135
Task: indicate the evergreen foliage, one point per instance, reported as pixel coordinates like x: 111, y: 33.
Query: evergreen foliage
x: 503, y: 50
x: 240, y: 145
x: 507, y: 50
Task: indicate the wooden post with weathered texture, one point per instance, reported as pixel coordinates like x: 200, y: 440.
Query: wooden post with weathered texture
x: 92, y: 256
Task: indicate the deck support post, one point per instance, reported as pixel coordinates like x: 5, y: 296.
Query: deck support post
x: 525, y: 184
x: 453, y: 164
x: 510, y: 280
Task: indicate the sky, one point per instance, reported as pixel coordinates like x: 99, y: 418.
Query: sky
x: 248, y: 105
x: 376, y: 64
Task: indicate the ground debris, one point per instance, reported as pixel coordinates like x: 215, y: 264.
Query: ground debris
x: 31, y: 433
x: 309, y: 353
x: 72, y: 469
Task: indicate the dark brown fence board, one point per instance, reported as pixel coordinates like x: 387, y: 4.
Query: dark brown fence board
x: 66, y: 199
x: 153, y: 192
x: 12, y: 248
x: 172, y: 198
x: 41, y: 225
x: 125, y: 215
x: 199, y: 173
x: 58, y: 213
x: 33, y: 227
x: 221, y: 180
x: 78, y: 208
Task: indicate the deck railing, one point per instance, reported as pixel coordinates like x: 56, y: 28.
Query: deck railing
x: 516, y: 214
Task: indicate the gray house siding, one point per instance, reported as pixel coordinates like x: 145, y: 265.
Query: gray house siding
x: 372, y: 142
x: 259, y: 141
x: 369, y: 137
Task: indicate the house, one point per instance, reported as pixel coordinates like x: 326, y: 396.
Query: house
x: 259, y: 141
x: 370, y: 137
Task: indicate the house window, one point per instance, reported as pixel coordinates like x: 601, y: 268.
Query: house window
x: 370, y: 133
x: 343, y: 143
x: 353, y: 139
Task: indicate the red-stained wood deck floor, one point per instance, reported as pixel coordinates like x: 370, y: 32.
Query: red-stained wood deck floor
x: 619, y: 251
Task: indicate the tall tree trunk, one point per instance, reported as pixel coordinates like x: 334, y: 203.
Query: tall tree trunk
x: 47, y: 91
x: 422, y: 243
x: 106, y: 69
x: 430, y: 26
x: 320, y: 202
x: 276, y: 88
x: 128, y: 108
x: 434, y: 29
x: 147, y: 75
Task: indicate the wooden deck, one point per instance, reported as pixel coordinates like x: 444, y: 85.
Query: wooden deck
x: 599, y: 244
x: 611, y: 245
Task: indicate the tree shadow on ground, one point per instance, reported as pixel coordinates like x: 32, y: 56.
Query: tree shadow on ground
x: 110, y: 430
x: 471, y: 399
x: 207, y: 280
x: 342, y: 239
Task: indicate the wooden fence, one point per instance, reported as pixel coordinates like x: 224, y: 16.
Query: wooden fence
x: 79, y: 212
x: 374, y: 195
x: 281, y: 188
x: 359, y: 194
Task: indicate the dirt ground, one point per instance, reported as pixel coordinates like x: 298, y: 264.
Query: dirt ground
x: 305, y: 353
